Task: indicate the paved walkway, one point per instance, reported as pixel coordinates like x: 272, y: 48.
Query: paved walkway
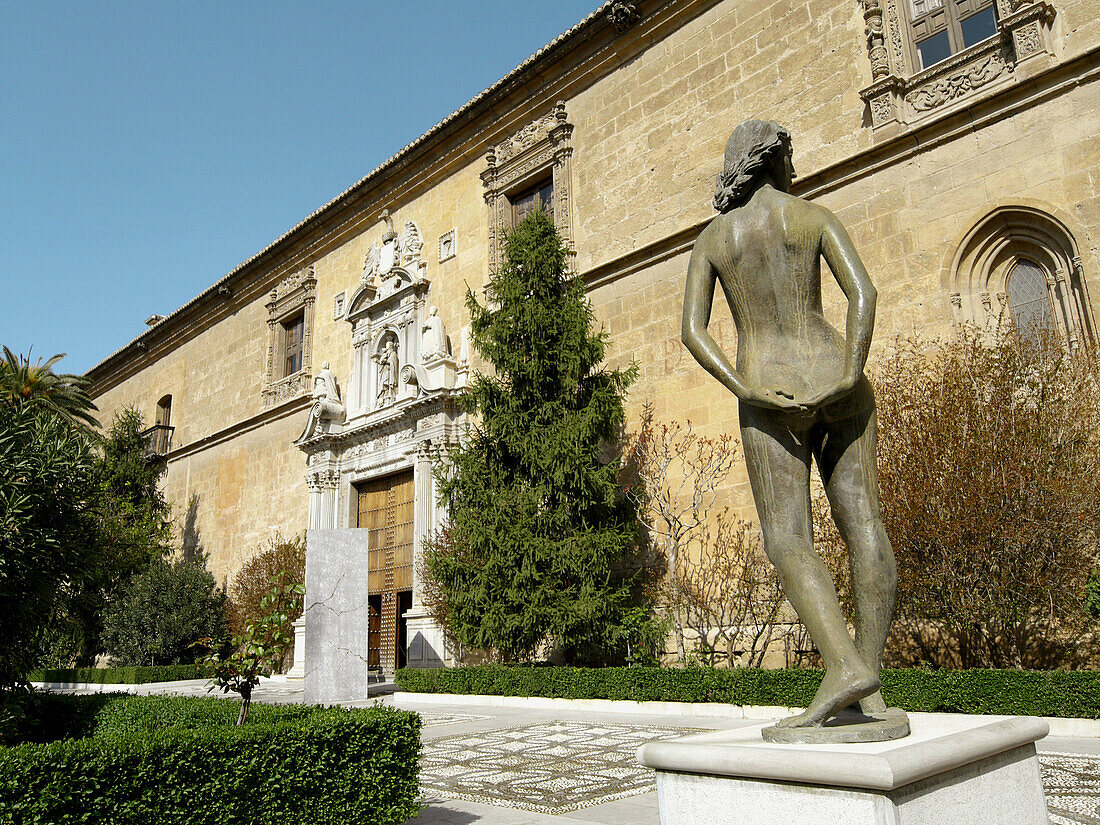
x: 508, y: 766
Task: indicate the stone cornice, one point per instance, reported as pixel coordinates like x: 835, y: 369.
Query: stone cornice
x: 284, y: 410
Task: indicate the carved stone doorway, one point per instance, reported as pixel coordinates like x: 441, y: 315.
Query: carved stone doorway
x: 386, y: 510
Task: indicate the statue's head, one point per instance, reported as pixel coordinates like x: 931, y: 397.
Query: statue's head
x: 757, y: 149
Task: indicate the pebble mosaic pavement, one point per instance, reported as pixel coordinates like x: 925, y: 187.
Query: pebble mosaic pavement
x: 558, y: 767
x: 1072, y: 785
x: 549, y: 767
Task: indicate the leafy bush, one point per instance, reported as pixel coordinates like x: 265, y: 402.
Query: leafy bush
x: 46, y: 471
x: 120, y: 675
x: 283, y: 558
x: 162, y: 612
x: 293, y: 765
x: 1014, y: 692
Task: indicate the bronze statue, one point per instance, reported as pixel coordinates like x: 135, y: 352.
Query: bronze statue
x: 801, y: 393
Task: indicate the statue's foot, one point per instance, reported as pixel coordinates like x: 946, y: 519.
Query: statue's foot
x: 841, y: 687
x: 873, y: 704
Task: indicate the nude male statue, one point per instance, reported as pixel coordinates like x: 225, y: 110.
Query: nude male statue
x: 801, y: 393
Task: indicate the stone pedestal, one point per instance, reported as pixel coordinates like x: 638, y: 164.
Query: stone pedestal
x: 426, y: 644
x: 337, y: 616
x: 298, y: 667
x: 952, y: 770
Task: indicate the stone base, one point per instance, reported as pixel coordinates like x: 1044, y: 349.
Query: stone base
x: 970, y: 770
x: 846, y: 727
x: 427, y: 647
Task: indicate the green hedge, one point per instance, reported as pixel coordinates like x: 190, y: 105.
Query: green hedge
x: 1012, y: 692
x: 120, y: 675
x: 287, y: 765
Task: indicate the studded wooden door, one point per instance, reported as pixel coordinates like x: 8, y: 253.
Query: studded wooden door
x: 386, y: 510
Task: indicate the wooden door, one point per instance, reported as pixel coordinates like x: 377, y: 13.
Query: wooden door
x: 386, y: 510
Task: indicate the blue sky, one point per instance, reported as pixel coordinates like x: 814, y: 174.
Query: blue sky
x: 148, y: 148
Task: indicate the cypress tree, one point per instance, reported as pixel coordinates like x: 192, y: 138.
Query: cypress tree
x: 539, y: 536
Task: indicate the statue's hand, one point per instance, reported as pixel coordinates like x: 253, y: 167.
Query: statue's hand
x: 773, y: 399
x: 831, y: 395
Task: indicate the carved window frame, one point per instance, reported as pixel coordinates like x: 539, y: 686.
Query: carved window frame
x: 293, y: 295
x: 541, y: 149
x: 977, y: 276
x: 900, y: 95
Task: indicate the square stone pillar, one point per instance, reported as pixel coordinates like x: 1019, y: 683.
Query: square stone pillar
x: 337, y: 616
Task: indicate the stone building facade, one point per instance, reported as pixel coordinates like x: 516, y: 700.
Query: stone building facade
x: 957, y: 140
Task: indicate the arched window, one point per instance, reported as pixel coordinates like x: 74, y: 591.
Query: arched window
x: 1021, y: 264
x: 1028, y: 297
x: 164, y: 411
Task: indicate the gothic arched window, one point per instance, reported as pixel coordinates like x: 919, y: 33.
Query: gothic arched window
x: 1021, y: 264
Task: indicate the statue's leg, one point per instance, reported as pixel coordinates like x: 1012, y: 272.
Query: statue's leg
x: 846, y: 459
x: 778, y: 462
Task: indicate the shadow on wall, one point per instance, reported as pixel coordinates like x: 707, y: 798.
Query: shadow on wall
x: 191, y: 543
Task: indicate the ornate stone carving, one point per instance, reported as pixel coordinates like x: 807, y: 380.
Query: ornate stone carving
x: 1028, y: 40
x: 543, y: 146
x: 339, y: 300
x: 876, y: 39
x: 433, y: 344
x: 327, y: 410
x: 882, y: 109
x: 940, y: 91
x: 526, y: 137
x: 411, y: 243
x: 293, y: 294
x: 388, y: 370
x: 623, y: 15
x: 447, y: 246
x: 370, y: 264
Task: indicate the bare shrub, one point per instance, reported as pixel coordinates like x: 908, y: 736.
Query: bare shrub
x: 731, y: 595
x: 989, y: 467
x: 673, y: 476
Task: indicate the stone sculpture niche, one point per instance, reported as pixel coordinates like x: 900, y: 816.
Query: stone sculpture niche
x: 401, y: 344
x: 802, y: 396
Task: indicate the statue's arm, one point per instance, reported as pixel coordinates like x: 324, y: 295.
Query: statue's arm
x: 841, y: 256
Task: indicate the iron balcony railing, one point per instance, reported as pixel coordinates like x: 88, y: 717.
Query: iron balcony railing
x: 158, y: 440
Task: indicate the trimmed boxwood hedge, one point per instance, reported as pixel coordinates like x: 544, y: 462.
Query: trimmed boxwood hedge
x: 178, y: 760
x: 120, y: 675
x: 1010, y: 692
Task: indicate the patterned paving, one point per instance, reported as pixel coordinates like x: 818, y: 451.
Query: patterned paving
x: 433, y: 719
x: 1072, y: 785
x: 557, y: 767
x: 550, y: 768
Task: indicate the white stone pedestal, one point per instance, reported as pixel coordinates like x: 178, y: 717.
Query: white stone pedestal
x: 952, y: 770
x: 298, y: 667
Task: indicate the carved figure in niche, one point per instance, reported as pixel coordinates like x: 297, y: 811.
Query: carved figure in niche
x: 327, y: 407
x: 434, y: 341
x: 802, y: 396
x: 387, y: 374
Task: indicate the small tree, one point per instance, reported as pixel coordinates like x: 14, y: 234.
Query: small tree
x: 156, y: 618
x: 132, y: 531
x: 258, y: 650
x: 675, y: 478
x: 284, y: 559
x: 539, y: 538
x: 989, y: 467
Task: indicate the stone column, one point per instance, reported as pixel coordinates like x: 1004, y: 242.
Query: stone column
x: 298, y: 669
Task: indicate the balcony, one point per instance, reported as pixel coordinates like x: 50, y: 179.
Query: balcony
x: 158, y: 440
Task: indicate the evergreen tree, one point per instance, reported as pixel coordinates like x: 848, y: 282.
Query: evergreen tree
x: 539, y: 535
